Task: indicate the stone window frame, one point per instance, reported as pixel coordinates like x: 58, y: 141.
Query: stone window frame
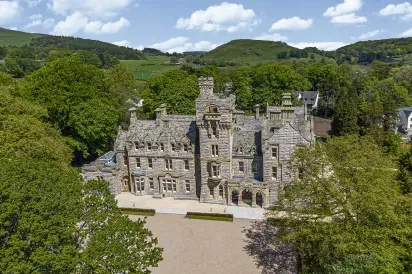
x: 214, y: 171
x: 240, y: 149
x: 150, y: 163
x: 212, y: 192
x: 162, y: 147
x: 275, y: 172
x: 185, y: 147
x: 241, y: 166
x: 136, y: 145
x: 149, y: 146
x: 169, y: 185
x: 138, y: 163
x: 140, y: 184
x: 186, y: 165
x: 168, y: 164
x: 125, y: 160
x: 255, y: 167
x: 221, y: 191
x: 173, y: 147
x: 187, y: 186
x: 215, y: 150
x: 274, y: 151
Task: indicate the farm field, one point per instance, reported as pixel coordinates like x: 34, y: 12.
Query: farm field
x: 15, y: 38
x: 143, y: 69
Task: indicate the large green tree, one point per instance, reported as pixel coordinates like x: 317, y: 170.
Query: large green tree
x: 344, y: 207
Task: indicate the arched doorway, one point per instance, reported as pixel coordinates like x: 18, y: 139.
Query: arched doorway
x: 235, y: 197
x: 259, y: 199
x: 247, y: 197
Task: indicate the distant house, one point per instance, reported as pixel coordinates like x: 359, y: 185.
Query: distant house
x: 404, y: 123
x: 310, y: 98
x: 135, y: 102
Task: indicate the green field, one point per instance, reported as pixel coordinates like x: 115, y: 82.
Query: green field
x: 143, y: 69
x: 15, y: 38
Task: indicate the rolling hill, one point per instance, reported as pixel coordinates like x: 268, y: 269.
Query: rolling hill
x: 16, y: 38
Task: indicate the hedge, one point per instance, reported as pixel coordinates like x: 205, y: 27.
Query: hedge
x: 138, y: 211
x: 210, y: 216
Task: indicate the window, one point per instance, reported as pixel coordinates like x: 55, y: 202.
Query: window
x: 215, y: 171
x: 162, y: 147
x: 274, y: 172
x: 186, y: 164
x: 151, y: 184
x: 212, y: 109
x: 149, y: 146
x: 136, y: 145
x: 211, y: 192
x: 255, y: 167
x: 169, y: 165
x: 125, y: 160
x: 138, y: 163
x: 274, y: 152
x: 241, y: 167
x: 221, y: 191
x: 150, y: 162
x: 187, y: 185
x: 169, y: 185
x: 240, y: 150
x: 214, y: 131
x: 140, y: 184
x: 185, y: 147
x: 173, y: 147
x: 215, y: 150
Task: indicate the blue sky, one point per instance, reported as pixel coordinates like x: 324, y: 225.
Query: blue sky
x: 184, y: 25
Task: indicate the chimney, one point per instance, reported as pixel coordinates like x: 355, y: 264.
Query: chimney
x: 206, y: 85
x: 257, y: 116
x: 161, y: 111
x: 132, y: 115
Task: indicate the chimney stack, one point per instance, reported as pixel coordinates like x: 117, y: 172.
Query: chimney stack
x: 132, y: 115
x: 257, y: 116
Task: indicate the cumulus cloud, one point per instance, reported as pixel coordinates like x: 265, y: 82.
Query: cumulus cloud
x: 349, y: 19
x: 319, y: 45
x: 8, y: 11
x: 93, y: 8
x: 392, y: 9
x: 294, y: 23
x: 368, y: 35
x: 224, y: 17
x: 182, y: 44
x: 37, y: 21
x: 123, y: 43
x: 348, y: 6
x: 407, y: 33
x: 407, y: 17
x: 271, y: 37
x: 35, y: 16
x: 79, y: 22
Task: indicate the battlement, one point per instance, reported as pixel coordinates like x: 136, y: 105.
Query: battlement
x: 206, y: 85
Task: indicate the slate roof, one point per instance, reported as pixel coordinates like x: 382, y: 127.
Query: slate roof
x: 404, y: 113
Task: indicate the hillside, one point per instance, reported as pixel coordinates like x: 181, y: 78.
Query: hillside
x: 389, y: 50
x: 16, y: 38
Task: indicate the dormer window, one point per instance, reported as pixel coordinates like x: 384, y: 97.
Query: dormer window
x: 136, y: 145
x: 185, y: 147
x: 173, y: 146
x: 149, y: 146
x: 240, y: 150
x: 162, y: 147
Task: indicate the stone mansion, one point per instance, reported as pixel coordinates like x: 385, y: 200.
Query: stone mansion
x: 218, y: 155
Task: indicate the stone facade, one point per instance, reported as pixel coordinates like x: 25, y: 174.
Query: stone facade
x: 219, y: 155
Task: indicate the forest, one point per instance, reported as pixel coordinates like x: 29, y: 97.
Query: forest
x: 65, y: 110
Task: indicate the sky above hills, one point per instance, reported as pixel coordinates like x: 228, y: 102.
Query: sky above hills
x: 201, y: 25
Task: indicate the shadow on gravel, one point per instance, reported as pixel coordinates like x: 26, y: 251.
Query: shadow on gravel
x: 269, y: 257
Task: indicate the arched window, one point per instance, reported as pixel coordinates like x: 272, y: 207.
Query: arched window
x: 213, y: 109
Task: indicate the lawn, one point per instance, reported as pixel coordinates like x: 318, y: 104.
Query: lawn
x: 15, y: 38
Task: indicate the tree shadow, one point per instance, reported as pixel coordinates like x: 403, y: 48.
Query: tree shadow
x: 270, y: 255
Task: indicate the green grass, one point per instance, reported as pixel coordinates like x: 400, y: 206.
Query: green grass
x: 143, y: 69
x: 211, y: 218
x: 15, y: 38
x: 138, y: 211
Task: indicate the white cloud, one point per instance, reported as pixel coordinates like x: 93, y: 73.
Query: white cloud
x: 271, y: 37
x: 368, y: 35
x: 294, y: 23
x: 93, y: 8
x: 72, y: 24
x: 392, y: 9
x: 407, y: 33
x: 407, y: 17
x: 33, y: 3
x: 13, y: 28
x: 36, y: 16
x: 226, y: 16
x: 182, y: 44
x: 349, y: 19
x: 319, y: 45
x: 8, y: 10
x: 348, y: 6
x: 98, y: 27
x: 78, y: 21
x: 139, y: 47
x: 123, y: 43
x: 48, y: 23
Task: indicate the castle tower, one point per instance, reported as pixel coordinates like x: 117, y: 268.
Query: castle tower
x: 214, y: 123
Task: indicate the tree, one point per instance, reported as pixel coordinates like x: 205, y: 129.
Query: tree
x: 88, y: 58
x: 174, y: 60
x: 312, y: 56
x: 405, y: 172
x: 282, y: 55
x: 344, y: 207
x: 80, y: 102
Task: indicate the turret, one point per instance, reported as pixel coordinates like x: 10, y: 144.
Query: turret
x: 206, y: 86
